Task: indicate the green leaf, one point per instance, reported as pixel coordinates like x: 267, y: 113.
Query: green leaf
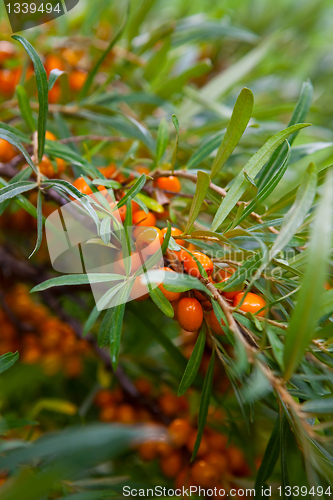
x: 283, y: 454
x: 252, y: 168
x: 13, y: 190
x: 24, y: 104
x: 162, y: 139
x: 269, y: 460
x: 319, y: 406
x: 93, y: 72
x: 277, y: 346
x: 240, y: 118
x: 296, y: 215
x: 206, y: 148
x: 203, y: 183
x: 115, y: 332
x: 175, y: 149
x: 301, y: 110
x: 7, y: 360
x: 10, y: 137
x: 176, y: 84
x: 204, y: 404
x: 77, y: 279
x: 193, y: 364
x: 162, y: 303
x: 43, y: 92
x: 93, y: 316
x: 150, y: 203
x: 39, y: 224
x: 133, y: 191
x: 54, y: 75
x: 307, y: 310
x: 103, y: 338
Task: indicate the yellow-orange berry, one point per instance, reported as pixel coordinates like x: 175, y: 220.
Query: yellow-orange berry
x: 190, y: 265
x: 215, y: 324
x: 7, y: 151
x: 174, y: 232
x: 171, y: 464
x: 171, y: 296
x: 190, y: 314
x: 140, y: 218
x: 77, y: 79
x: 170, y: 183
x: 204, y: 474
x: 180, y: 431
x: 148, y: 240
x: 252, y: 303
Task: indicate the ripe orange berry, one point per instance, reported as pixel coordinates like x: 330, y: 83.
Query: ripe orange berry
x: 46, y: 166
x: 7, y: 51
x: 236, y: 460
x: 148, y: 451
x: 204, y: 474
x: 143, y: 386
x: 53, y: 62
x: 119, y: 213
x: 170, y: 183
x: 252, y: 303
x: 140, y: 218
x: 77, y: 79
x: 171, y: 296
x: 224, y: 275
x: 9, y: 78
x: 215, y: 324
x: 190, y: 265
x: 108, y: 414
x: 108, y: 171
x: 217, y: 441
x: 174, y: 232
x: 203, y: 448
x: 171, y: 464
x: 142, y: 169
x: 72, y: 56
x: 169, y: 404
x: 82, y: 186
x: 148, y: 240
x: 190, y: 314
x: 7, y: 151
x: 125, y: 414
x: 104, y: 397
x: 139, y: 291
x: 217, y: 460
x: 49, y: 136
x: 55, y: 93
x: 180, y: 431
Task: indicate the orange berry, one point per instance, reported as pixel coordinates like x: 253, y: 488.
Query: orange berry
x: 55, y: 93
x: 148, y: 240
x: 82, y: 186
x: 190, y: 265
x: 204, y: 474
x: 172, y: 464
x: 72, y: 56
x: 136, y: 262
x: 224, y: 275
x: 139, y: 291
x: 7, y: 151
x: 174, y: 232
x: 104, y: 397
x: 53, y: 62
x: 148, y: 451
x: 125, y: 414
x: 215, y: 324
x: 164, y: 449
x: 236, y: 459
x: 169, y: 404
x: 217, y: 441
x: 190, y: 314
x: 119, y: 213
x: 77, y: 79
x: 203, y: 448
x: 170, y: 183
x: 142, y: 169
x: 252, y: 303
x: 49, y: 136
x: 180, y: 431
x: 218, y: 460
x: 108, y: 171
x: 143, y: 386
x: 140, y: 218
x: 9, y: 78
x: 108, y: 414
x: 171, y: 296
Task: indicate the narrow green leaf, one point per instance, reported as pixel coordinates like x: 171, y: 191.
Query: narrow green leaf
x: 7, y: 360
x: 319, y: 406
x: 54, y: 75
x: 240, y: 118
x: 39, y: 224
x: 93, y: 72
x: 296, y: 215
x: 205, y: 149
x: 269, y: 460
x: 11, y: 137
x: 43, y: 92
x: 77, y: 279
x: 115, y: 333
x: 193, y: 364
x: 23, y: 100
x: 252, y: 167
x: 175, y: 149
x: 162, y: 303
x: 162, y: 139
x: 301, y: 110
x: 13, y: 190
x: 204, y: 404
x: 150, y: 203
x: 103, y: 338
x: 307, y: 311
x: 170, y: 86
x: 203, y: 182
x: 284, y: 426
x: 135, y: 189
x: 93, y: 316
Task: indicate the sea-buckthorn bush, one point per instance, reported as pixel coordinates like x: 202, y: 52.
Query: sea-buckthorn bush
x: 192, y: 346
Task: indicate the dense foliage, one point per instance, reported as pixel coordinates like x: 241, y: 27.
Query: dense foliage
x: 140, y: 123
